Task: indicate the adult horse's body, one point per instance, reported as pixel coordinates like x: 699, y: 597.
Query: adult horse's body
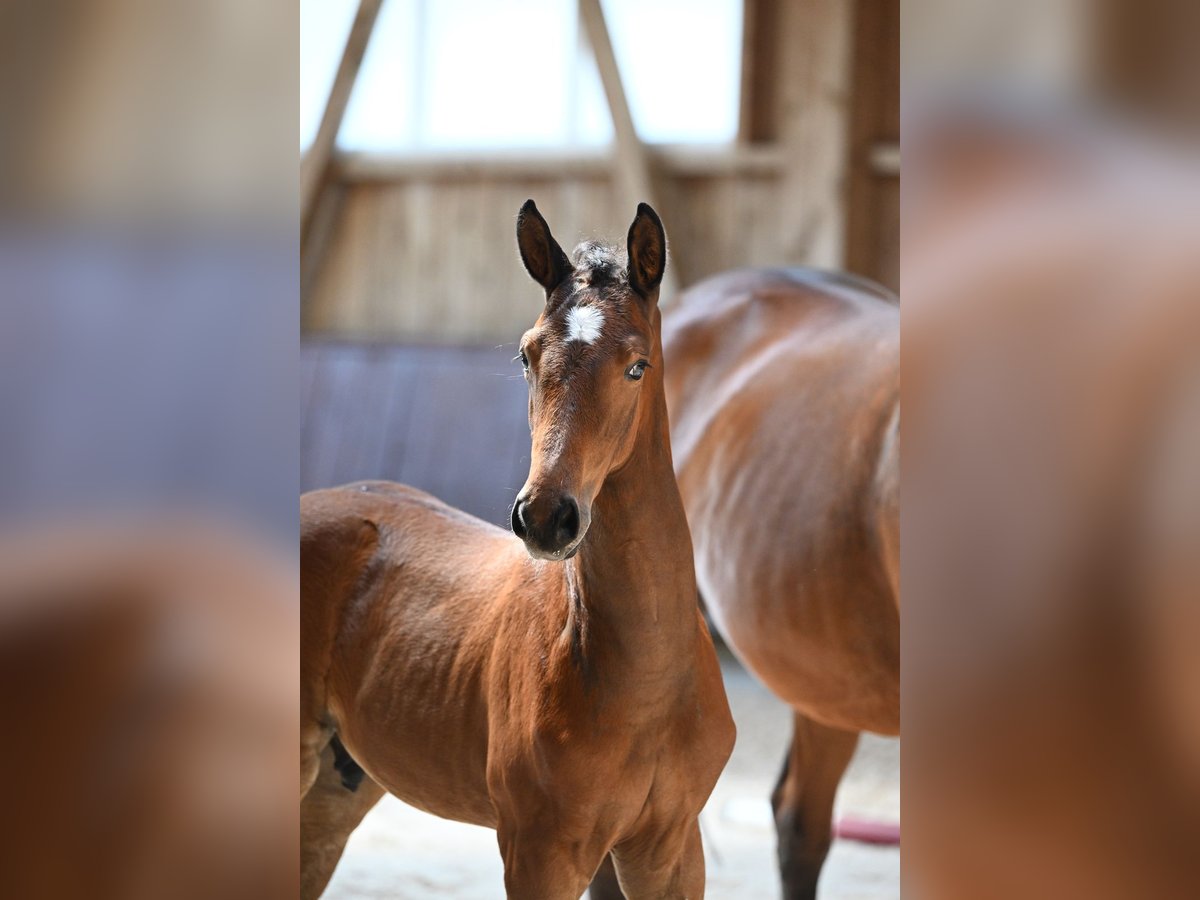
x: 783, y: 387
x: 573, y: 700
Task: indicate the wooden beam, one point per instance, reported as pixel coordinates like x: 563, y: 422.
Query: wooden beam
x: 314, y: 165
x: 674, y: 160
x: 633, y: 171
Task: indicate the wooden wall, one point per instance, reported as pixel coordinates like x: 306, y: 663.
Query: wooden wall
x: 432, y: 255
x: 423, y: 249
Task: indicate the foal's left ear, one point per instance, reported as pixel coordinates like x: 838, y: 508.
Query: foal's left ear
x: 647, y: 245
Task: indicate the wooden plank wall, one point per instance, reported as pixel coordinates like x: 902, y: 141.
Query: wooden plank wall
x: 433, y: 258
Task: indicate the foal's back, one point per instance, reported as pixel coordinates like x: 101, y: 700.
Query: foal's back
x: 783, y: 389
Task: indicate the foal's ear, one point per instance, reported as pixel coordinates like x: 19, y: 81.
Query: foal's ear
x: 543, y: 258
x: 647, y: 245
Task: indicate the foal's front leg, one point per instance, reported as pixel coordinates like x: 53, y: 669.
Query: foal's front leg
x: 662, y: 865
x: 543, y: 863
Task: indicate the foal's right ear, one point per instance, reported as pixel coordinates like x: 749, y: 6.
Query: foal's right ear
x: 543, y: 258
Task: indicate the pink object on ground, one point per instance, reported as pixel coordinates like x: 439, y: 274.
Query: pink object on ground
x: 866, y: 831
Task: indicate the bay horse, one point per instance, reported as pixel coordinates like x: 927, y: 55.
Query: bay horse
x: 783, y: 387
x: 559, y: 686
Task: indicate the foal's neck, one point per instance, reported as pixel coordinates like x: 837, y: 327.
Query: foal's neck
x: 632, y: 586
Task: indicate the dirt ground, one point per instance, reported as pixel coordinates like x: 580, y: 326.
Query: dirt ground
x: 403, y: 854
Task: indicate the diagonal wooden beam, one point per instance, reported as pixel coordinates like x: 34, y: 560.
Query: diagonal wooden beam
x: 633, y: 173
x: 315, y: 164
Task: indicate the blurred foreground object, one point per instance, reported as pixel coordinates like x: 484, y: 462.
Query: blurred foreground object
x: 148, y: 681
x: 147, y: 363
x: 148, y: 258
x: 1051, y: 360
x: 131, y: 110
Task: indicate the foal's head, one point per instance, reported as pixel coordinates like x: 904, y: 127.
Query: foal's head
x: 594, y: 365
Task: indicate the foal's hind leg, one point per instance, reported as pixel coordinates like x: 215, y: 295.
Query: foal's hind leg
x: 313, y: 741
x: 803, y: 802
x: 328, y: 813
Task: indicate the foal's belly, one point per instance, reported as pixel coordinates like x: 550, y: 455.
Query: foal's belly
x: 428, y: 750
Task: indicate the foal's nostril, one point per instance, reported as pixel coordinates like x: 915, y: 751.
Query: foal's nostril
x: 518, y: 522
x: 566, y: 521
x: 547, y: 526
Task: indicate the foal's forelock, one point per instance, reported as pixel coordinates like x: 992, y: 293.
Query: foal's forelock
x: 597, y: 264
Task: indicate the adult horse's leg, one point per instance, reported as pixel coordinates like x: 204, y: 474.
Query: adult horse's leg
x: 803, y: 802
x: 604, y: 884
x: 328, y: 813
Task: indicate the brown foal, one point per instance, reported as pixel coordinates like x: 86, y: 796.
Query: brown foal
x: 561, y: 688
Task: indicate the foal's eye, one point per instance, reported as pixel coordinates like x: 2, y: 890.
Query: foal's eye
x: 524, y: 360
x: 635, y: 372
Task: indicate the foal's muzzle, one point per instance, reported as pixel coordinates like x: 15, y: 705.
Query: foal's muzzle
x: 549, y: 526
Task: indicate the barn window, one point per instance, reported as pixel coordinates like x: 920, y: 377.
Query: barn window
x: 476, y: 74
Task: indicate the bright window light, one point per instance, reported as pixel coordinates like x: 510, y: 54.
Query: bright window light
x: 476, y: 74
x: 384, y: 106
x: 498, y: 73
x: 324, y: 26
x: 681, y: 62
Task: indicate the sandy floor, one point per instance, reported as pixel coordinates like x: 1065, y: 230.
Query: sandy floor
x: 399, y: 852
